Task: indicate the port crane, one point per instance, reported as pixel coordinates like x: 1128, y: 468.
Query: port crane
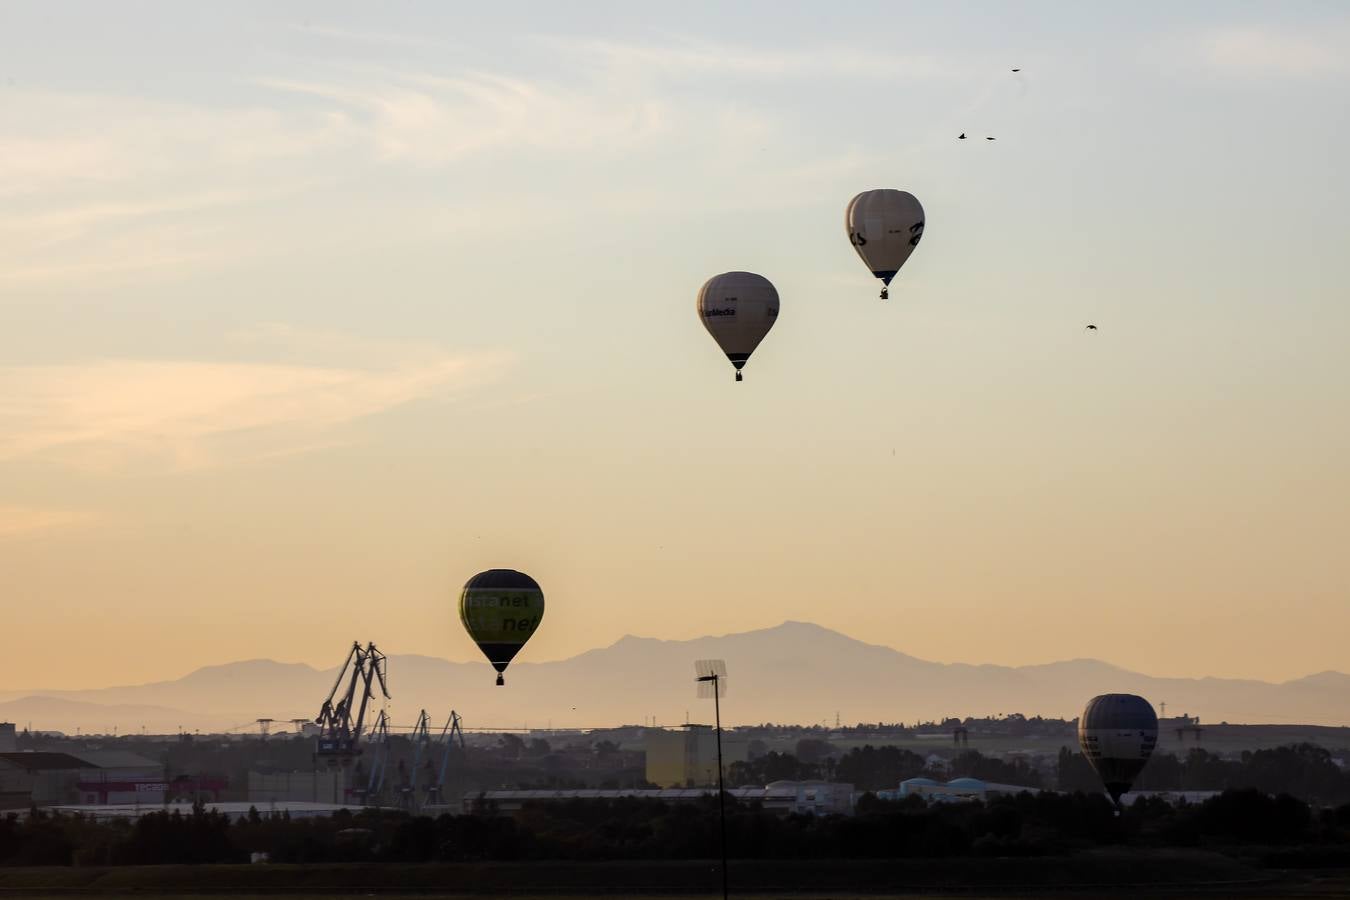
x: 340, y: 728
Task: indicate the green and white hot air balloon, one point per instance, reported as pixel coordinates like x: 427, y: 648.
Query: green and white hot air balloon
x: 500, y: 609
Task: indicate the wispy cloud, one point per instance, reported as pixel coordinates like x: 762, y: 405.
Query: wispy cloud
x: 432, y: 119
x: 681, y: 56
x: 1271, y: 50
x: 24, y: 522
x: 101, y: 188
x: 54, y: 143
x: 189, y: 414
x: 378, y: 38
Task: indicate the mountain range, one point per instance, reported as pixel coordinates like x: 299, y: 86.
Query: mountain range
x: 795, y: 672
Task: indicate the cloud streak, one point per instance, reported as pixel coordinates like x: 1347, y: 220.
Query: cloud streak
x: 427, y: 119
x: 185, y: 414
x: 687, y: 57
x: 1268, y: 50
x: 25, y: 522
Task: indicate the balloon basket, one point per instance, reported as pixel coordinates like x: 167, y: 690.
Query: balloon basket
x: 500, y: 680
x: 885, y: 294
x: 738, y: 377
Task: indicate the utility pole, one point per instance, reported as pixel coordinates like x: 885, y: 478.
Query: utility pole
x: 711, y: 677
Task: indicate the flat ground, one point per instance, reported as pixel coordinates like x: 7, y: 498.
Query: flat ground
x: 1105, y: 875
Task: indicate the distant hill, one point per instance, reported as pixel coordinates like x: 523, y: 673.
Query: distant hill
x: 792, y: 673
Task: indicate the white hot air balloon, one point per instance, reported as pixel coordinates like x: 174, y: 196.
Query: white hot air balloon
x: 738, y: 309
x: 884, y: 226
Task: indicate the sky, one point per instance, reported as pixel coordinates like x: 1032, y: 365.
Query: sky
x: 310, y: 311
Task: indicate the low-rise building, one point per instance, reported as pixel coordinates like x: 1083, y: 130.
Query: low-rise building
x: 121, y: 777
x: 786, y: 797
x: 295, y: 809
x: 955, y: 790
x: 49, y: 777
x: 84, y: 776
x: 687, y: 758
x: 325, y: 786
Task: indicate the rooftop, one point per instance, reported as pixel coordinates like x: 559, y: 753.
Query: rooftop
x: 41, y: 761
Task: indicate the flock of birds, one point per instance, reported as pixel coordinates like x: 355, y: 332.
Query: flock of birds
x: 884, y: 226
x: 962, y: 137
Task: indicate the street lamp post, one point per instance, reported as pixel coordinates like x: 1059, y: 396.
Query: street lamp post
x: 711, y: 680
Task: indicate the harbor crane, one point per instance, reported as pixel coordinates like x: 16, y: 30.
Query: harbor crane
x: 450, y: 734
x: 340, y: 728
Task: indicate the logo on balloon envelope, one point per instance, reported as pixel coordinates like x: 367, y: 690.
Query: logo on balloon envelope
x: 711, y: 313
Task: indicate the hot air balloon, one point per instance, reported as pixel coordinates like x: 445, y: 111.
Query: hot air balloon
x: 738, y: 309
x: 1117, y: 733
x: 884, y: 226
x: 501, y: 608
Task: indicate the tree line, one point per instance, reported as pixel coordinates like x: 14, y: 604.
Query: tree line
x: 1305, y: 771
x: 637, y: 829
x: 881, y: 768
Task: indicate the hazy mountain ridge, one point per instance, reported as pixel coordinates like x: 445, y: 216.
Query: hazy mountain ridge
x: 795, y: 672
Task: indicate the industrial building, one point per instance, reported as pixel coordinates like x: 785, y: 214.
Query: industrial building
x: 86, y: 776
x: 800, y: 797
x: 42, y: 778
x: 116, y: 776
x: 9, y: 738
x: 324, y: 786
x: 955, y: 790
x: 294, y: 809
x: 688, y: 758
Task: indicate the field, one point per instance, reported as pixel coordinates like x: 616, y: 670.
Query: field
x: 1107, y: 874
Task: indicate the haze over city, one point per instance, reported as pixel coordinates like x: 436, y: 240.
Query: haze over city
x: 308, y: 312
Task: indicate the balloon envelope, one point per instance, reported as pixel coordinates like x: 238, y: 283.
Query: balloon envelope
x: 1118, y: 733
x: 884, y: 226
x: 738, y: 309
x: 501, y: 608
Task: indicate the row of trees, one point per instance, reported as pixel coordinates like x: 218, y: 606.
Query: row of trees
x: 1025, y: 825
x: 879, y: 768
x: 1305, y: 771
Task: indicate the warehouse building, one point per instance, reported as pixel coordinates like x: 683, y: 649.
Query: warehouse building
x: 120, y: 777
x: 785, y: 797
x: 43, y: 778
x: 327, y: 786
x: 293, y: 809
x: 955, y: 790
x: 87, y: 776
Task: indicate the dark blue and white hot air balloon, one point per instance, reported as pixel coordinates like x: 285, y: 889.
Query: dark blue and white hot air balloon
x: 1118, y: 733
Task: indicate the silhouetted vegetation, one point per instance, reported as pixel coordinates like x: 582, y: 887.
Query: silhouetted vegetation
x: 635, y: 829
x: 1304, y: 771
x: 878, y: 768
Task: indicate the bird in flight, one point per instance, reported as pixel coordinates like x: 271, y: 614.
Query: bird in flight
x: 1092, y: 328
x: 988, y: 139
x: 961, y: 136
x: 1017, y: 70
